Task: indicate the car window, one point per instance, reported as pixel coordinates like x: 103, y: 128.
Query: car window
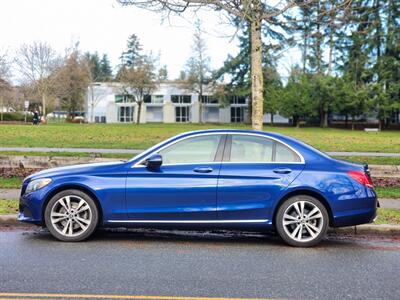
x: 247, y: 148
x: 200, y: 149
x: 284, y: 154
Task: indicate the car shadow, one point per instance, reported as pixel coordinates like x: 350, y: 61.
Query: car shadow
x: 214, y: 238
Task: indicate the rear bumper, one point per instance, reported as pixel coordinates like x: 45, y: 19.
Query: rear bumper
x: 357, y: 216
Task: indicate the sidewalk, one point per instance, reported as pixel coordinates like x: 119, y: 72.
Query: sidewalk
x: 13, y: 194
x: 137, y: 151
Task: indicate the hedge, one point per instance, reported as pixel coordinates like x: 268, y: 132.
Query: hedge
x: 15, y: 116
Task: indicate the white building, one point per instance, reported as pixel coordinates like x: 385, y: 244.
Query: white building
x: 169, y: 103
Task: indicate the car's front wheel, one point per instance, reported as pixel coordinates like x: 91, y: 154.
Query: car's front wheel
x: 71, y: 216
x: 302, y: 221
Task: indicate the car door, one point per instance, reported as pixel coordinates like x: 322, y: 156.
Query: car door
x: 254, y: 173
x: 184, y: 188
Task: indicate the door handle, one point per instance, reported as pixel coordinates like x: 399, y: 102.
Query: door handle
x: 282, y: 171
x: 203, y: 170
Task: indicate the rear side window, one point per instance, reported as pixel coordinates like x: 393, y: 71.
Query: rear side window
x: 194, y: 150
x: 247, y: 148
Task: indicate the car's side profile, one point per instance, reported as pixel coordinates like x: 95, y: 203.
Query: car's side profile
x: 221, y: 178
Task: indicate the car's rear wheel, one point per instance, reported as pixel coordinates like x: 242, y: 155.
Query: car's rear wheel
x: 302, y: 221
x: 71, y: 216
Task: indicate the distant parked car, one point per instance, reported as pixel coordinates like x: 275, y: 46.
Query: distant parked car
x: 213, y: 178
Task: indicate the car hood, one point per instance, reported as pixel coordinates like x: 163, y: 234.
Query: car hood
x: 77, y: 169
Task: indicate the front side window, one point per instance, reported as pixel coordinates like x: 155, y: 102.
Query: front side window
x: 247, y: 148
x: 200, y: 149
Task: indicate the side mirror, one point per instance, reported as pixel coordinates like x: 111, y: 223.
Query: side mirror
x: 154, y: 161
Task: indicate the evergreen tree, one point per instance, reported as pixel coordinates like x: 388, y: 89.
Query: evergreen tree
x: 105, y: 67
x: 133, y: 52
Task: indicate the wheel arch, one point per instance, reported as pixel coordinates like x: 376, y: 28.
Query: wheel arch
x: 307, y: 192
x: 78, y: 187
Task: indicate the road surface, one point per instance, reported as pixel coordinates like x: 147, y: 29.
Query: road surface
x: 158, y: 265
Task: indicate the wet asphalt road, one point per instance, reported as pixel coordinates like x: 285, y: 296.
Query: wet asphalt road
x: 157, y: 263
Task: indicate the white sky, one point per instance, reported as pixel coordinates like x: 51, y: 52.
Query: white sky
x: 104, y: 26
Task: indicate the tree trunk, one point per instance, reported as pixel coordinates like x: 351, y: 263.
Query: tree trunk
x: 256, y: 75
x: 272, y: 119
x: 200, y: 108
x: 44, y: 104
x: 139, y: 105
x: 323, y: 115
x: 352, y: 122
x: 1, y: 107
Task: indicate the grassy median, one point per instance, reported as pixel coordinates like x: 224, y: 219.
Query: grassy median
x: 8, y: 206
x: 131, y: 136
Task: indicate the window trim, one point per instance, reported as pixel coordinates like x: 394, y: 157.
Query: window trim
x: 227, y: 152
x: 152, y: 150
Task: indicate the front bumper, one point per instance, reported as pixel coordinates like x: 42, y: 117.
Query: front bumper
x: 31, y: 207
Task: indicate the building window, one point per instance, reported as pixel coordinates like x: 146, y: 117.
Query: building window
x: 155, y: 99
x: 125, y: 114
x: 206, y: 99
x: 181, y: 99
x: 96, y: 119
x: 237, y: 114
x: 237, y: 100
x: 103, y: 119
x: 124, y: 98
x: 182, y: 114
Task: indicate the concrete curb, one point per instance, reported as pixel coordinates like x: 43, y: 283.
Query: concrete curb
x: 367, y: 229
x: 9, y: 220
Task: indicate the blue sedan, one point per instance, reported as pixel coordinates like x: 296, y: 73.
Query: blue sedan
x: 213, y: 178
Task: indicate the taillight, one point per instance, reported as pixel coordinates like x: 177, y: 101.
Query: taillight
x: 362, y: 178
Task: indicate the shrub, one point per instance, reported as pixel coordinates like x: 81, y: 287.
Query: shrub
x: 16, y: 116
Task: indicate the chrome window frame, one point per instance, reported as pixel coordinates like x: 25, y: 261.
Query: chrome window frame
x: 150, y: 151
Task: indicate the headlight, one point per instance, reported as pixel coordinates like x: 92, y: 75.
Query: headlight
x: 37, y: 184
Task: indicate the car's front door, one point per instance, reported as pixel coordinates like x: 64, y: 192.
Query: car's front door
x: 184, y: 188
x: 254, y: 173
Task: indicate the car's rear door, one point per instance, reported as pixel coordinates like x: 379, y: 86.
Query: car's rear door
x: 185, y: 186
x: 254, y: 173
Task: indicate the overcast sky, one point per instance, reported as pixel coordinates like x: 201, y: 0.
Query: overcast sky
x: 104, y: 26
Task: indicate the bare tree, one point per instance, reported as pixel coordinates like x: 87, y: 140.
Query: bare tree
x: 71, y: 81
x: 138, y: 81
x: 198, y: 67
x: 5, y: 86
x: 36, y: 62
x: 94, y: 96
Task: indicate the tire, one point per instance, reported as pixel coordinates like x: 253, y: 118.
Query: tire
x: 71, y: 216
x: 306, y: 221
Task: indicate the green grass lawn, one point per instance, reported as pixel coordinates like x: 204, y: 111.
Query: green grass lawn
x: 130, y: 136
x: 388, y: 216
x: 8, y: 206
x: 388, y: 192
x: 371, y: 160
x: 10, y: 183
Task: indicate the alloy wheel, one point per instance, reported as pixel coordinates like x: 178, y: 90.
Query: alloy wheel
x: 303, y: 221
x: 71, y: 216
